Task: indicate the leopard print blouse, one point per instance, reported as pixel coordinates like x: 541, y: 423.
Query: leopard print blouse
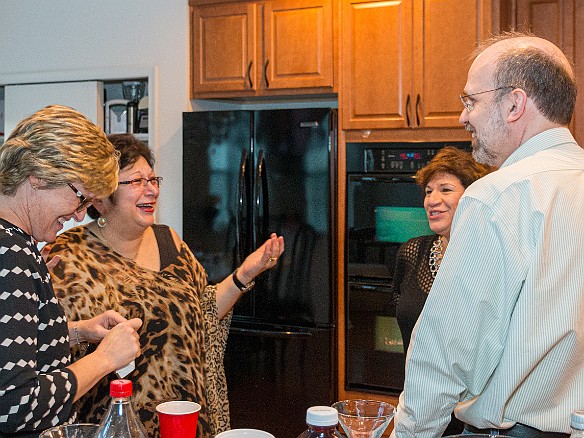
x: 182, y: 339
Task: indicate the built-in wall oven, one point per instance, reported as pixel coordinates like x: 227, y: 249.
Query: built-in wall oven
x: 384, y: 209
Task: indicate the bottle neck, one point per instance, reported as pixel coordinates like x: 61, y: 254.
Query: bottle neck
x: 120, y: 400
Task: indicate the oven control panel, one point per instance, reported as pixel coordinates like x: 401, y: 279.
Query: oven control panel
x: 396, y: 160
x: 398, y: 157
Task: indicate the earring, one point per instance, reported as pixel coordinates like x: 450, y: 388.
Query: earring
x: 101, y: 221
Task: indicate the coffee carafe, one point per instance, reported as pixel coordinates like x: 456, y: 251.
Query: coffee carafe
x: 133, y: 92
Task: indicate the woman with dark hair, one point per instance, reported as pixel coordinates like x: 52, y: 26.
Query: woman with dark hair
x: 444, y: 181
x: 124, y: 261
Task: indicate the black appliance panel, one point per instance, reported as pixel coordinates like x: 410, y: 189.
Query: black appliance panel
x: 375, y: 356
x: 382, y: 211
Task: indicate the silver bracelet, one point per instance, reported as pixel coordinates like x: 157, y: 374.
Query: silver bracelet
x: 82, y: 347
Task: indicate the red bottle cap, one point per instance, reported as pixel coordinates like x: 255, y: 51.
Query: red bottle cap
x: 121, y: 388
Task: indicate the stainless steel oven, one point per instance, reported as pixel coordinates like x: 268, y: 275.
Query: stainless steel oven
x: 384, y: 209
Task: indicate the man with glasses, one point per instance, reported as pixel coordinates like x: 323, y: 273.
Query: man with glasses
x: 501, y: 338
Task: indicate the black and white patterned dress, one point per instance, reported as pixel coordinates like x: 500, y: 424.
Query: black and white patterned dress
x: 36, y: 388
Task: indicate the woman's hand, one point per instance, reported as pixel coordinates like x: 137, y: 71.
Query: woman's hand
x: 121, y: 344
x: 45, y: 254
x: 263, y: 258
x: 95, y: 329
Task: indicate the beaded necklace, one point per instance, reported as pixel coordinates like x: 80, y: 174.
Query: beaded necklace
x: 436, y: 255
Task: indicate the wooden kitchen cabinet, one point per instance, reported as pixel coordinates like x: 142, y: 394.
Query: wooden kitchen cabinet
x: 404, y: 63
x: 223, y: 45
x: 242, y: 49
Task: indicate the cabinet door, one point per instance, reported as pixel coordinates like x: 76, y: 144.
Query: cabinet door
x: 298, y: 44
x: 555, y: 21
x: 445, y: 34
x: 224, y: 45
x: 550, y: 19
x: 377, y: 83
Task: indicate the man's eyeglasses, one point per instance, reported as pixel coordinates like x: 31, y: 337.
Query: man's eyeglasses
x: 138, y: 182
x: 469, y: 103
x: 83, y: 201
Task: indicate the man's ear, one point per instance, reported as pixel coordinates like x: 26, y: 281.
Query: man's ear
x: 518, y: 104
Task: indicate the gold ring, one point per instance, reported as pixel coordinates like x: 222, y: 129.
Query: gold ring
x: 273, y: 259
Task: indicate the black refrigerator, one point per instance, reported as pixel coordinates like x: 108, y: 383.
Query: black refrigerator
x: 247, y: 174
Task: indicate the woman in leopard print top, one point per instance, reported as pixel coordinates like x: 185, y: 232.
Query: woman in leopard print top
x: 123, y: 261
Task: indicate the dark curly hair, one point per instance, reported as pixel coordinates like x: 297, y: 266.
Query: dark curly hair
x: 130, y: 150
x: 455, y: 162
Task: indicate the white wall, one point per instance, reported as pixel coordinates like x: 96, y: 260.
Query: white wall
x: 69, y: 40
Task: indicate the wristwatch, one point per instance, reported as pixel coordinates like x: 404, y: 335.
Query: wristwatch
x: 242, y: 287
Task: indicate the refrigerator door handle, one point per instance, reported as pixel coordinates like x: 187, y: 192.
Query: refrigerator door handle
x: 239, y: 232
x: 261, y: 201
x: 269, y: 334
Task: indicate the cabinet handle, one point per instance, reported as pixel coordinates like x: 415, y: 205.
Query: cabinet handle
x: 408, y: 110
x: 418, y: 110
x: 266, y: 73
x: 249, y: 74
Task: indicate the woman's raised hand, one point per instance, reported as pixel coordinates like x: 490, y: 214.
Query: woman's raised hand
x: 262, y: 259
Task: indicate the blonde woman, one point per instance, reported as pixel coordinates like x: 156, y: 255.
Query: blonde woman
x: 51, y: 167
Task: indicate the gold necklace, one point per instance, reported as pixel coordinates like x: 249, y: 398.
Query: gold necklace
x: 436, y: 255
x: 133, y: 257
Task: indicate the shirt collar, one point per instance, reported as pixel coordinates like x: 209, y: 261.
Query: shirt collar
x: 544, y: 140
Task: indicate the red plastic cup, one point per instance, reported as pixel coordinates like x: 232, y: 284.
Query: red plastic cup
x: 178, y: 419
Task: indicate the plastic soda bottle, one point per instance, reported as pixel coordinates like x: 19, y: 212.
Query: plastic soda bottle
x: 120, y: 420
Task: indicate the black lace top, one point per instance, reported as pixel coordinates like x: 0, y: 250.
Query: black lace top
x: 412, y: 282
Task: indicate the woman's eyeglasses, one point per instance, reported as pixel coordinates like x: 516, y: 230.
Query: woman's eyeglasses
x: 83, y: 201
x: 143, y: 182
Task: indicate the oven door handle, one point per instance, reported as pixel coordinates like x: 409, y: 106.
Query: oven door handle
x: 370, y: 287
x: 275, y: 334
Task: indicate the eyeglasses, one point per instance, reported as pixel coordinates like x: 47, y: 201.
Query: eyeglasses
x: 139, y: 182
x: 469, y: 103
x: 83, y: 201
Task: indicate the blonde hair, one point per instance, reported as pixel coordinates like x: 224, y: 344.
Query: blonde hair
x: 58, y: 145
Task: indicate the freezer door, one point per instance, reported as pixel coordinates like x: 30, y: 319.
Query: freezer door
x: 217, y: 167
x: 274, y: 375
